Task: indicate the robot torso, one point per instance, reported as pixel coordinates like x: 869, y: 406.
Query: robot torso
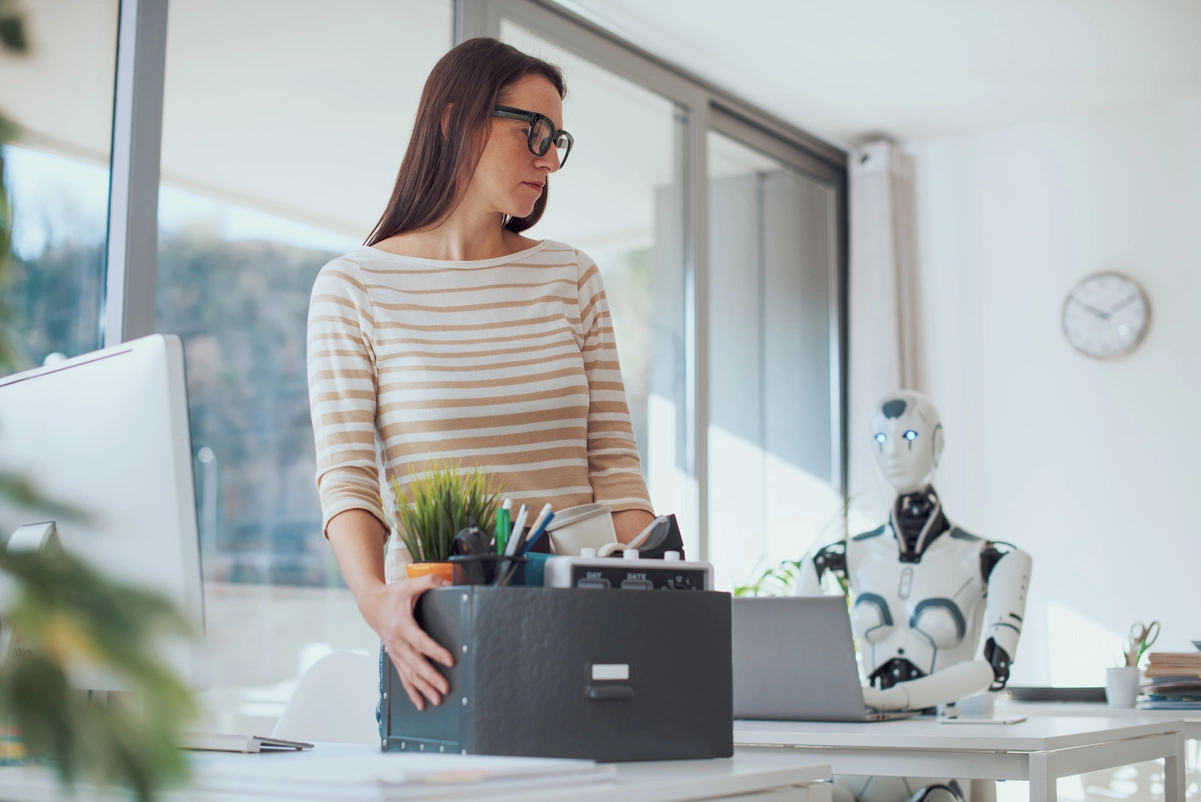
x: 926, y: 613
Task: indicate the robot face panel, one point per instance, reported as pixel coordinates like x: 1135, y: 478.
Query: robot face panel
x: 907, y: 440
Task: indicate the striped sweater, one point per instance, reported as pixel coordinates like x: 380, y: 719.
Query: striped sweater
x: 508, y: 364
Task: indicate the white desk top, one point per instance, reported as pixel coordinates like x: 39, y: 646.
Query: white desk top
x: 1034, y: 735
x: 667, y: 781
x: 1089, y: 709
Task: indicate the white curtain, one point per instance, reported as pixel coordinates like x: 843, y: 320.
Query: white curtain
x: 882, y: 307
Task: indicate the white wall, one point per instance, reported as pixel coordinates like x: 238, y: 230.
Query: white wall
x: 1093, y: 467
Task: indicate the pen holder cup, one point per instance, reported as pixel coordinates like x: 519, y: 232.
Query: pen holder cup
x: 488, y: 569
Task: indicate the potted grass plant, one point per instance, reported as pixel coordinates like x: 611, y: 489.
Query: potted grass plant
x: 435, y: 506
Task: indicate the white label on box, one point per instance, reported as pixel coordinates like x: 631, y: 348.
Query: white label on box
x: 610, y: 671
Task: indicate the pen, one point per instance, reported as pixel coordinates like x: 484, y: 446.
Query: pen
x: 538, y: 523
x: 546, y: 510
x: 537, y: 532
x: 518, y: 526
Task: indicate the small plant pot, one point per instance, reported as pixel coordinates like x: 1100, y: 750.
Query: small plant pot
x: 1121, y: 686
x: 442, y: 569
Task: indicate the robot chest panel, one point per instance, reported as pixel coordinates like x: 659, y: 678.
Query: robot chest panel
x: 934, y: 599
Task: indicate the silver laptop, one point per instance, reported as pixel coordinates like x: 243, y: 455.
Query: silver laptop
x: 794, y: 661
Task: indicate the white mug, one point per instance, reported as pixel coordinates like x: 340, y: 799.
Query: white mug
x: 588, y: 526
x: 1121, y: 686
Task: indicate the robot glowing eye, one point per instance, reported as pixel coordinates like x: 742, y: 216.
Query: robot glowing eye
x: 911, y: 435
x: 880, y: 438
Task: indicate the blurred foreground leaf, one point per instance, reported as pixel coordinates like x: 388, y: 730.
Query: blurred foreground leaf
x: 65, y: 614
x: 12, y: 28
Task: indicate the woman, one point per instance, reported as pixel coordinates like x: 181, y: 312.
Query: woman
x: 451, y: 334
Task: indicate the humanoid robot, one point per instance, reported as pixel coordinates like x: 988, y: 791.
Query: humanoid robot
x: 925, y: 592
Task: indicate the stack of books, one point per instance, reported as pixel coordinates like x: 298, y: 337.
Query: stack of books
x: 1173, y: 682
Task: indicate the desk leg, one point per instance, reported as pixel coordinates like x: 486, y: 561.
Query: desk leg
x: 1044, y: 778
x: 1173, y: 772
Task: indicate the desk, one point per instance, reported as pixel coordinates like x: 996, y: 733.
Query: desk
x: 1190, y: 718
x: 1040, y: 750
x: 745, y: 778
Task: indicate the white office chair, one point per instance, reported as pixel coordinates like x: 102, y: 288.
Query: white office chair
x: 334, y: 702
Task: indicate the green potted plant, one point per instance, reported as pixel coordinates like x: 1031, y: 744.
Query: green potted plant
x: 440, y: 502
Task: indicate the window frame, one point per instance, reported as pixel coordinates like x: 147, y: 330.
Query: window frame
x: 132, y: 250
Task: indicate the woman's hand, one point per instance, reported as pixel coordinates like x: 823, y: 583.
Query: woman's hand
x: 389, y: 611
x: 357, y: 537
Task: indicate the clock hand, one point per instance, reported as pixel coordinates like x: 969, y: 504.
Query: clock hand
x: 1093, y: 309
x: 1126, y: 302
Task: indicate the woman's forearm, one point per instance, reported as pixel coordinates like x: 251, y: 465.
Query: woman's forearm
x: 357, y: 538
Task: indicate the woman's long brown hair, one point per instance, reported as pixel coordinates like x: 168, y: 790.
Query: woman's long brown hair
x: 437, y: 167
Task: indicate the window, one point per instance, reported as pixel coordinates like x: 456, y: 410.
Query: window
x: 278, y: 153
x: 773, y: 432
x: 283, y: 127
x: 621, y: 200
x: 56, y: 173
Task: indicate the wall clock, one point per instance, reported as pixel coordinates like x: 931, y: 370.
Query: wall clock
x: 1106, y: 315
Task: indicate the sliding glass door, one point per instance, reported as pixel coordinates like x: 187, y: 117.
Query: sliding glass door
x: 774, y: 401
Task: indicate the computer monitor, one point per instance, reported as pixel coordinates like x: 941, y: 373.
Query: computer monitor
x: 108, y: 432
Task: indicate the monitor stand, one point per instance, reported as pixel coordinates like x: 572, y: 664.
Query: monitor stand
x: 31, y: 537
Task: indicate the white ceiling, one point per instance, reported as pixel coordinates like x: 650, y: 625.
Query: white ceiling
x: 300, y: 109
x: 848, y: 70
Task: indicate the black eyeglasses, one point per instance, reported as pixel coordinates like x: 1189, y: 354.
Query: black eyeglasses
x: 542, y: 132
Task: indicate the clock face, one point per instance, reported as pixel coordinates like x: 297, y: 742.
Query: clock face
x: 1106, y: 315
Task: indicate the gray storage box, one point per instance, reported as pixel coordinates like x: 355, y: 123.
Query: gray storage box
x: 562, y: 672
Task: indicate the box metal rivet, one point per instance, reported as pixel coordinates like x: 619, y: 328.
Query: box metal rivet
x: 402, y: 744
x: 383, y: 744
x: 464, y: 598
x: 421, y: 748
x: 464, y: 701
x: 464, y: 648
x: 385, y: 694
x: 441, y: 749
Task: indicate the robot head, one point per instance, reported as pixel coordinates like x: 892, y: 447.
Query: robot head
x: 907, y: 440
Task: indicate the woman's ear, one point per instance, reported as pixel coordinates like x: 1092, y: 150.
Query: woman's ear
x: 445, y: 122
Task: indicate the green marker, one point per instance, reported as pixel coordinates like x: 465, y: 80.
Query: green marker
x: 502, y: 526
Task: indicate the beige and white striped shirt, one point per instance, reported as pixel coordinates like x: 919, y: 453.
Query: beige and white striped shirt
x: 507, y: 364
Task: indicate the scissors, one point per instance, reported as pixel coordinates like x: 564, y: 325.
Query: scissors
x: 1142, y: 636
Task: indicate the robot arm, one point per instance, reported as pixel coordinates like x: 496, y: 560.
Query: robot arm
x: 814, y: 566
x: 1007, y: 571
x: 951, y: 684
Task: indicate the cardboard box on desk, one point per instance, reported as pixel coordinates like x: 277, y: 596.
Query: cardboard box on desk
x: 563, y: 672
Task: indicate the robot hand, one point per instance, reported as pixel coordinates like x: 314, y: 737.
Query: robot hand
x: 814, y: 566
x: 949, y: 685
